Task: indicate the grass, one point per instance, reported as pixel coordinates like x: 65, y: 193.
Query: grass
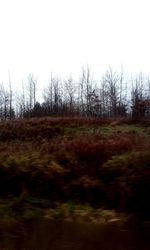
x: 72, y: 162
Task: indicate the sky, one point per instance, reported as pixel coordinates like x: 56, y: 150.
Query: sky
x: 60, y: 36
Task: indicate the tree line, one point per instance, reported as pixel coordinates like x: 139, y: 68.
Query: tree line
x: 114, y: 95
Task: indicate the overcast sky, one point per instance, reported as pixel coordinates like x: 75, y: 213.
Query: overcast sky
x: 44, y: 36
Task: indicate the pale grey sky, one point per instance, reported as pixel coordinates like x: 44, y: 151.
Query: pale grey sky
x: 44, y: 36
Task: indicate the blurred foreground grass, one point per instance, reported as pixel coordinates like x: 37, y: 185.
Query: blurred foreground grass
x: 73, y: 167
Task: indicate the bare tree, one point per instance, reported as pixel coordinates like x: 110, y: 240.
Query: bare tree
x: 140, y: 96
x: 113, y: 93
x: 137, y: 96
x: 70, y: 89
x: 31, y: 89
x: 11, y: 112
x: 86, y: 90
x: 4, y: 102
x: 21, y: 105
x: 52, y: 96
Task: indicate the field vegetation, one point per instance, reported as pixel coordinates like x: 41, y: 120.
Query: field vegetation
x: 88, y: 168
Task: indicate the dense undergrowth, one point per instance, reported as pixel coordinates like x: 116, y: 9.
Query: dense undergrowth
x: 46, y: 162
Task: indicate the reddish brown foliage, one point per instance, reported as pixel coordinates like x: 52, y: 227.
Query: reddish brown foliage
x: 70, y: 158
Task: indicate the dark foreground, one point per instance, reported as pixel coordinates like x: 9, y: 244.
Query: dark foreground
x: 53, y: 235
x: 88, y: 171
x: 48, y: 161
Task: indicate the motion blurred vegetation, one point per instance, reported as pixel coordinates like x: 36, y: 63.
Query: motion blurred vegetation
x: 46, y: 162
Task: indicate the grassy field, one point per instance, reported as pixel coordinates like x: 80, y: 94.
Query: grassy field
x: 75, y: 168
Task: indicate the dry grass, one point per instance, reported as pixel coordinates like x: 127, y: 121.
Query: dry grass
x: 63, y: 159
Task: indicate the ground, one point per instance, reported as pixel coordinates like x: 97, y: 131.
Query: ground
x: 71, y: 168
